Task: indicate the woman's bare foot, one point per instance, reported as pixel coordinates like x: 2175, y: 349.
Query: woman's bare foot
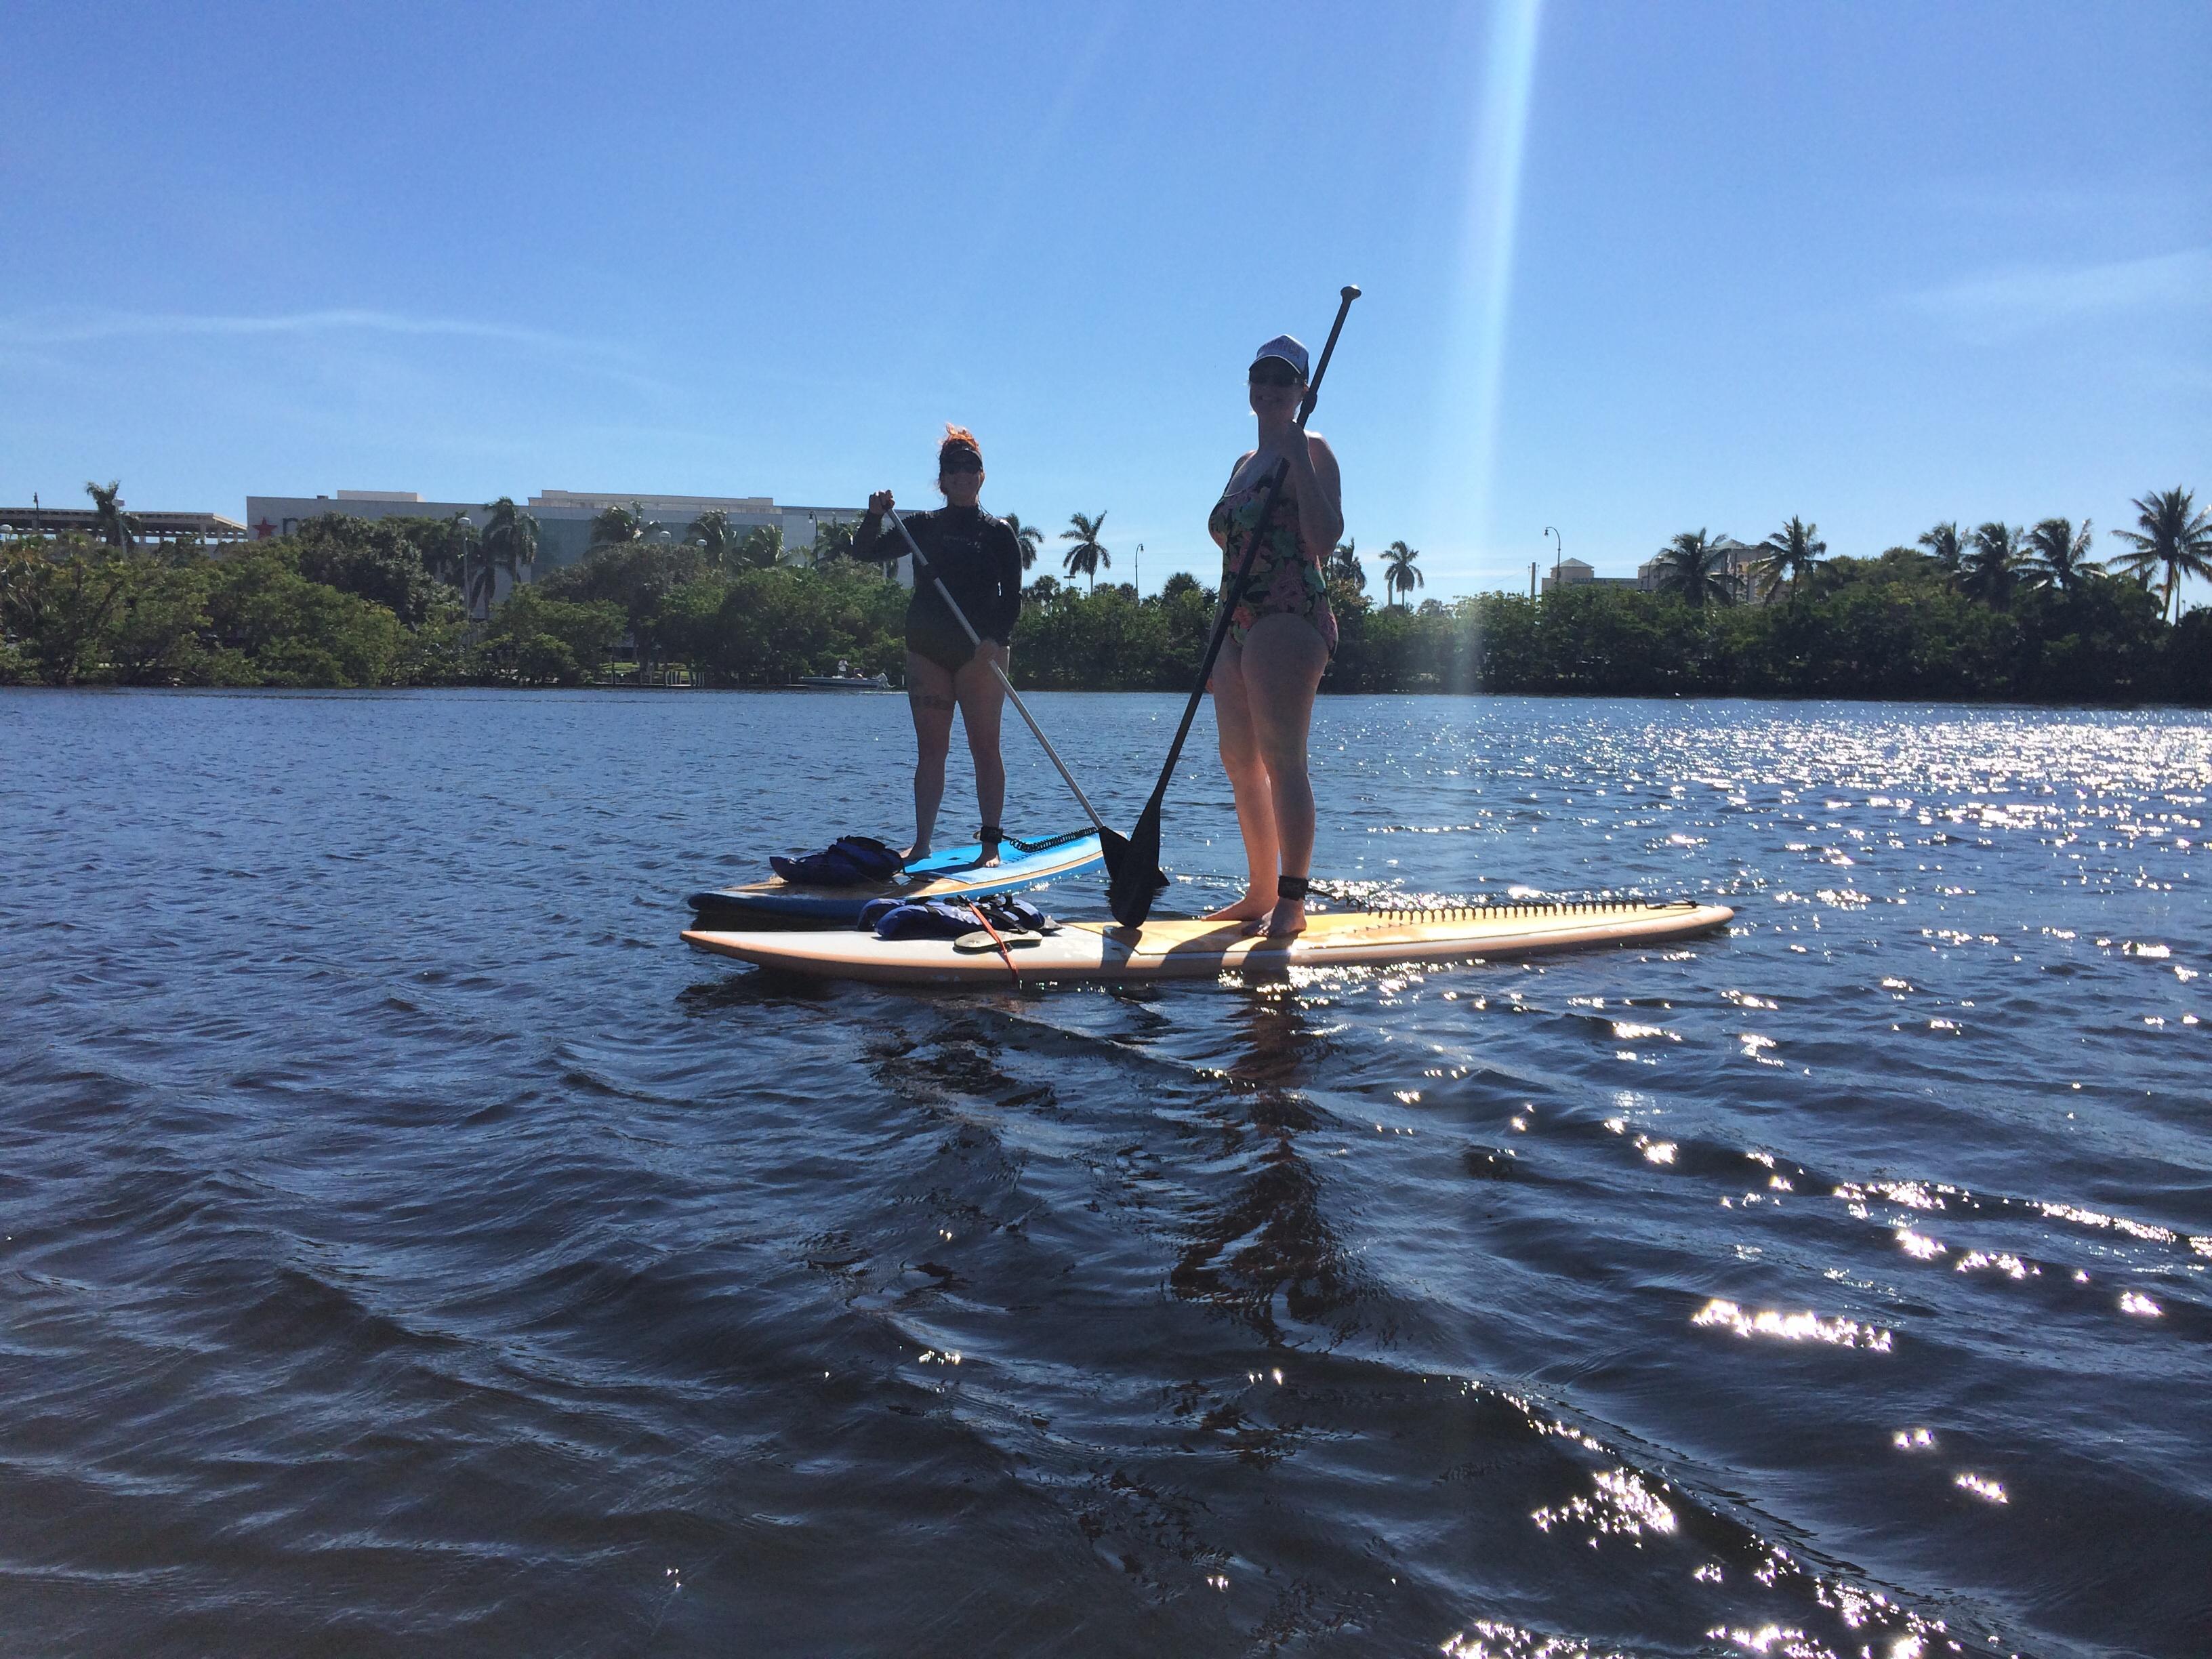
x: 1285, y: 919
x: 1250, y: 908
x: 919, y: 850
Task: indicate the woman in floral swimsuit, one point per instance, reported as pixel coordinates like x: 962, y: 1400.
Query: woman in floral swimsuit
x: 1282, y: 634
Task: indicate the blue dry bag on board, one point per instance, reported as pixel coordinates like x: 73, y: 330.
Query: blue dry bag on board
x: 848, y: 861
x: 953, y: 918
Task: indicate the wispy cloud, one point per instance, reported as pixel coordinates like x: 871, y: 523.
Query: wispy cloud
x: 80, y: 328
x: 2026, y: 299
x: 370, y: 342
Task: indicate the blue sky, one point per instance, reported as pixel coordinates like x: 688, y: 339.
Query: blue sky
x: 1629, y: 269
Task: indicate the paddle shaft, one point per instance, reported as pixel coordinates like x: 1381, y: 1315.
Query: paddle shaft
x: 921, y: 563
x: 1251, y: 548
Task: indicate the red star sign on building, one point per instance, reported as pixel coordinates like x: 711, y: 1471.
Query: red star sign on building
x: 264, y: 529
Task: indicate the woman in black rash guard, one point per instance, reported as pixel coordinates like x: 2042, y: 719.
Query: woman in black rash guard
x: 976, y: 557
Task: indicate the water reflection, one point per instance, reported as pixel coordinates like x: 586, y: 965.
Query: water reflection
x: 1267, y: 1250
x: 734, y: 993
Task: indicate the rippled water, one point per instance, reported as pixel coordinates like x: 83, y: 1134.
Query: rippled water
x: 410, y: 1246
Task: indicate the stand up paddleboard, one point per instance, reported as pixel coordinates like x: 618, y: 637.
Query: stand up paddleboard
x: 957, y: 873
x: 1199, y: 950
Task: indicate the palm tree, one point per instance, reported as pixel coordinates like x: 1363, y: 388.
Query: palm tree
x: 1791, y: 553
x: 109, y: 521
x: 614, y: 525
x: 2056, y: 557
x: 761, y: 547
x: 1946, y: 546
x: 2174, y: 537
x: 714, y: 536
x: 1343, y: 565
x: 1995, y: 555
x: 1400, y: 578
x: 1088, y: 553
x: 1695, y: 567
x: 1027, y: 537
x: 510, y: 537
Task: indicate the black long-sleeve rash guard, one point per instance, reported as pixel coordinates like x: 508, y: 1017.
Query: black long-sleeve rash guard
x: 976, y: 555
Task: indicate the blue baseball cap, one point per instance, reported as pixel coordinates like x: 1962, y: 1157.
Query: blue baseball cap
x: 1287, y: 349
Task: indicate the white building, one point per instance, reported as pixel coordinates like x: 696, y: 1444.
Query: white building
x: 564, y: 516
x: 564, y: 519
x: 51, y: 522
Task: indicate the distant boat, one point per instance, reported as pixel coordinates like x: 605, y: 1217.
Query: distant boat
x: 844, y: 680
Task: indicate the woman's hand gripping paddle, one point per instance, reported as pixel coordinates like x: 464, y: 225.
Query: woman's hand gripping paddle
x: 1110, y: 843
x: 1133, y: 876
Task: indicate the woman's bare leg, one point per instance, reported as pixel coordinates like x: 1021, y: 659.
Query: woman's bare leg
x: 929, y: 699
x: 1282, y: 663
x: 982, y: 700
x: 1248, y: 782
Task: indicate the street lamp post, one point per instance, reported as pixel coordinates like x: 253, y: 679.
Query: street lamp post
x: 1559, y: 554
x: 1140, y: 570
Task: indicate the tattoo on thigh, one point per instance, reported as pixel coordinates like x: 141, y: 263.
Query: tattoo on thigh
x: 928, y: 699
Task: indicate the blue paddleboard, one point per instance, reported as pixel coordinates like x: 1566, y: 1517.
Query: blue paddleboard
x: 957, y: 873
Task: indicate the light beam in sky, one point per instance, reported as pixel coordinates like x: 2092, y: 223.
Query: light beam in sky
x: 1474, y: 362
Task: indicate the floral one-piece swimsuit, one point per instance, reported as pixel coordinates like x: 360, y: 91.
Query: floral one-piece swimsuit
x: 1284, y: 577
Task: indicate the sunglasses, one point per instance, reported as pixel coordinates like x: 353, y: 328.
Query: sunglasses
x: 959, y: 460
x: 1272, y: 371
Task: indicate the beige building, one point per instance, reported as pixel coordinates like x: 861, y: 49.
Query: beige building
x: 1576, y: 573
x: 1741, y: 565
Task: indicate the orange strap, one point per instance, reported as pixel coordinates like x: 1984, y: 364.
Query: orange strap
x: 1004, y: 954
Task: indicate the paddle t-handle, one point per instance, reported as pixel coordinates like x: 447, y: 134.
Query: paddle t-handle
x: 1135, y: 878
x: 1345, y: 296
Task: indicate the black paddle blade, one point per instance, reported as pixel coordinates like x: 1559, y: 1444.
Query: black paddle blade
x: 1133, y: 876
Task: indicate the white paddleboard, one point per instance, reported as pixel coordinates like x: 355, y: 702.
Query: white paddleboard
x: 1200, y: 950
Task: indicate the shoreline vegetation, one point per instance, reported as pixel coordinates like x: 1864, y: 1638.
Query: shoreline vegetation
x: 1997, y: 613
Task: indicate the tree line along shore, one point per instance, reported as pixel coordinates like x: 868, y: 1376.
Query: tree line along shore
x: 1995, y: 612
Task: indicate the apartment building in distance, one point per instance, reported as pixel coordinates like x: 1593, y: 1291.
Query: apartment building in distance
x: 1577, y: 572
x: 564, y: 516
x: 52, y: 522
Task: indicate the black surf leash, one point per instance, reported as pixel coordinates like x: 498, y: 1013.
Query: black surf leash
x: 1135, y: 878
